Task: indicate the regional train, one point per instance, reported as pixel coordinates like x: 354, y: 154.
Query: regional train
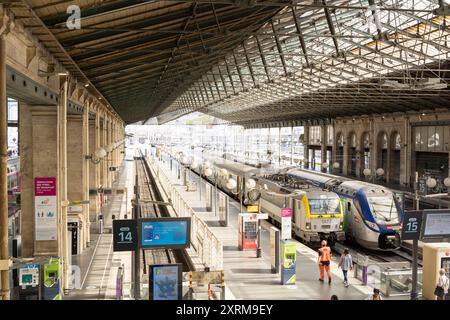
x: 316, y: 214
x: 373, y: 214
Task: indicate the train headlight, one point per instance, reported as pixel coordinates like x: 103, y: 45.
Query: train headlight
x: 341, y: 226
x: 373, y: 225
x: 308, y: 226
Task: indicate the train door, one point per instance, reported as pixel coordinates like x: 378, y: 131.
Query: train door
x: 352, y: 220
x: 300, y: 215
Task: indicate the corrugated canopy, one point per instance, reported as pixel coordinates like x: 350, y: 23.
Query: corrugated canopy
x: 253, y: 61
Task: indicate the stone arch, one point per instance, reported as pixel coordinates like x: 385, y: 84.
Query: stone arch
x: 382, y: 151
x: 365, y: 151
x: 339, y: 151
x: 395, y: 146
x: 352, y: 150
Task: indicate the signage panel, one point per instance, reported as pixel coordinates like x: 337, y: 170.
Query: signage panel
x: 125, y: 235
x: 437, y: 223
x: 412, y: 225
x: 165, y: 282
x: 45, y: 208
x: 286, y: 223
x: 171, y: 233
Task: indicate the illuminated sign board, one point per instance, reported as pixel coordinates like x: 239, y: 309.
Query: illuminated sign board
x: 165, y: 282
x: 172, y: 233
x: 437, y: 224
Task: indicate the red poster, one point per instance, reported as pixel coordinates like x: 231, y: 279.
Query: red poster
x: 286, y: 212
x: 45, y: 186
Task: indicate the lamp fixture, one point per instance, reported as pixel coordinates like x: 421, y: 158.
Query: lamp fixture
x: 97, y: 156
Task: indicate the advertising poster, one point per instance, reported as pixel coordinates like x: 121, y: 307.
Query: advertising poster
x: 166, y: 282
x: 45, y: 208
x: 164, y: 233
x: 286, y: 223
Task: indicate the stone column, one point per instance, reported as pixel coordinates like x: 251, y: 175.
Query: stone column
x: 87, y: 224
x: 94, y: 169
x: 38, y: 158
x: 346, y: 155
x: 306, y: 146
x: 373, y: 144
x: 4, y: 254
x: 105, y: 159
x: 387, y: 173
x: 75, y: 160
x: 323, y: 146
x: 334, y: 148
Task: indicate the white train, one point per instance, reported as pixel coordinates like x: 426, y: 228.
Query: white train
x: 373, y: 214
x: 316, y: 214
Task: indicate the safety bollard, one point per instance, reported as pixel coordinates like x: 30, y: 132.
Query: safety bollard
x: 210, y: 293
x: 364, y: 275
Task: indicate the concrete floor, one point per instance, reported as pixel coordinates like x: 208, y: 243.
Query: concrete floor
x: 99, y: 263
x: 248, y: 277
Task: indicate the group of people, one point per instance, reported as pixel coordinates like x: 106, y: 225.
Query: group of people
x: 346, y: 264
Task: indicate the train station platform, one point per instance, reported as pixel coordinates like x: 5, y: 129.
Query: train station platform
x: 248, y: 277
x: 99, y: 264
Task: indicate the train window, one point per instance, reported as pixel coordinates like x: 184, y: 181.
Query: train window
x: 349, y: 206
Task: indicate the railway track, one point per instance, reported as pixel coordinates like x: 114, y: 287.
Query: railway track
x: 147, y: 191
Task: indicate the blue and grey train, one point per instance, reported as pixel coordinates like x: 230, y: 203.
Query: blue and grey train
x: 373, y: 215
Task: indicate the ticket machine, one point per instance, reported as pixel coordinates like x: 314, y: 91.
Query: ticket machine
x: 248, y: 231
x: 435, y: 256
x: 288, y: 262
x: 51, y: 280
x: 28, y: 280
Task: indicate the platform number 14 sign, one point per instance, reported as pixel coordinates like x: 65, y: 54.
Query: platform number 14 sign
x: 412, y: 224
x: 124, y: 235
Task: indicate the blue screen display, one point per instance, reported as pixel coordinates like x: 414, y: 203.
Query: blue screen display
x: 164, y: 233
x: 165, y: 283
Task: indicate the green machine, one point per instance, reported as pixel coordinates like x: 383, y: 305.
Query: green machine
x: 288, y: 262
x: 52, y: 280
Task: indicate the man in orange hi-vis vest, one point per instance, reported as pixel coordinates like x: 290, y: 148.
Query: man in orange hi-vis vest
x: 324, y: 261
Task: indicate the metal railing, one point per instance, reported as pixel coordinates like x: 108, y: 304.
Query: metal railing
x: 208, y: 247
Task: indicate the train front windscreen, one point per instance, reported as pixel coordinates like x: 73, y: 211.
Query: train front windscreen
x: 384, y: 209
x: 324, y: 206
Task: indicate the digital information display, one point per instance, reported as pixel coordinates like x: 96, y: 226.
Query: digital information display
x: 165, y: 282
x: 171, y: 233
x: 437, y: 223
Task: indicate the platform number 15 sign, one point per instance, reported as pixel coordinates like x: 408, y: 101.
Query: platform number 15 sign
x: 124, y: 235
x: 412, y: 225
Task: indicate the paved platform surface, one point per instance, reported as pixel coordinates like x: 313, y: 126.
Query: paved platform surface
x: 98, y: 263
x: 248, y: 277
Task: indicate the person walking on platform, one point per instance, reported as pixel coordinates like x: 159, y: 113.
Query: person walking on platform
x: 375, y: 296
x: 442, y: 285
x: 346, y: 263
x: 324, y: 261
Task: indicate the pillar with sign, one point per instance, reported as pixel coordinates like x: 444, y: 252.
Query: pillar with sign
x: 286, y: 223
